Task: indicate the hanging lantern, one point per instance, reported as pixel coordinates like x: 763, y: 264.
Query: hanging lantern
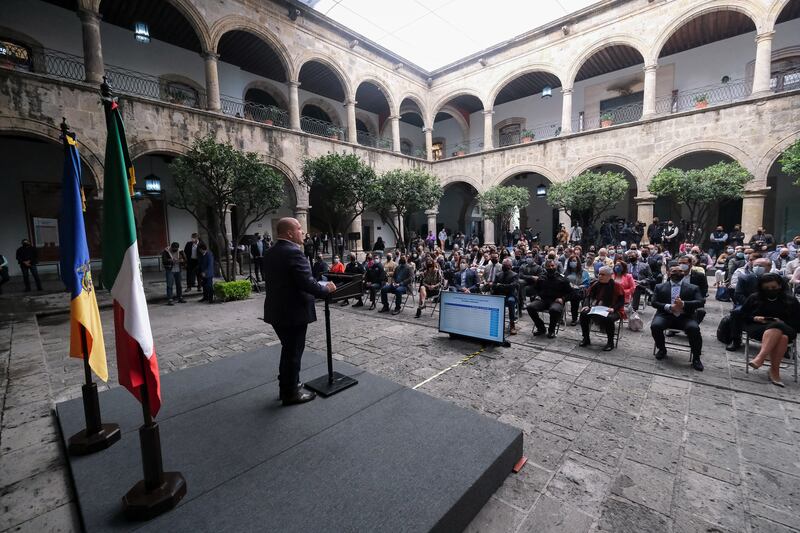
x: 547, y: 91
x: 141, y: 32
x: 541, y: 191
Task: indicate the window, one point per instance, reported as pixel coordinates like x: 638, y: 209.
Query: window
x: 438, y: 150
x: 785, y: 74
x: 509, y: 134
x: 181, y: 93
x: 406, y: 147
x: 15, y: 55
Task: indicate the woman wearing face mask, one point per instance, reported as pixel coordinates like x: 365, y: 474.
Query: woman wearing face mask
x: 579, y: 281
x: 624, y: 279
x: 772, y: 316
x: 719, y: 269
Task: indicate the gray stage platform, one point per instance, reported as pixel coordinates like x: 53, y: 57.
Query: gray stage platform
x: 376, y: 457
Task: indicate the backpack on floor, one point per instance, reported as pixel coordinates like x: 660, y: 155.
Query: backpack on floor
x: 724, y: 330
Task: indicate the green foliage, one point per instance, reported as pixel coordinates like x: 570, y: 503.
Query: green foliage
x: 227, y: 291
x: 607, y: 116
x: 398, y: 193
x: 699, y: 189
x: 502, y: 201
x: 701, y: 98
x: 790, y: 161
x: 218, y: 176
x: 589, y: 195
x: 346, y: 183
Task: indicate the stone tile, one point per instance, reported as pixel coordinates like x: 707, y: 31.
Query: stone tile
x: 621, y: 516
x: 15, y: 416
x: 522, y: 489
x: 776, y: 455
x: 770, y: 517
x: 622, y: 400
x: 33, y: 497
x: 666, y: 428
x: 582, y: 397
x: 495, y: 516
x: 710, y: 499
x: 554, y: 516
x: 63, y: 519
x: 569, y: 416
x: 571, y: 366
x: 766, y: 427
x: 644, y: 485
x: 653, y: 451
x: 707, y: 449
x: 608, y: 419
x: 685, y: 522
x: 29, y: 461
x: 719, y: 429
x: 544, y: 448
x: 599, y: 445
x: 775, y: 488
x: 710, y: 408
x: 710, y: 470
x: 580, y: 485
x: 759, y: 524
x: 39, y: 431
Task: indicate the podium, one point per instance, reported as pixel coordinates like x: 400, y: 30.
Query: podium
x: 347, y: 286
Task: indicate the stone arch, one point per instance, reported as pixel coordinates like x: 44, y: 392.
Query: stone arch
x: 268, y: 88
x: 611, y: 159
x: 768, y: 159
x: 722, y: 147
x: 462, y: 178
x: 329, y: 62
x: 743, y: 6
x: 372, y: 126
x: 774, y: 12
x: 239, y: 23
x: 89, y: 152
x: 521, y: 169
x: 511, y: 76
x: 423, y: 110
x: 458, y: 117
x: 392, y: 102
x: 326, y: 106
x: 605, y: 42
x: 442, y: 102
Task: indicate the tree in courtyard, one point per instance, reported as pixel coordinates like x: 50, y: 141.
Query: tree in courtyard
x: 213, y: 178
x: 588, y: 196
x: 700, y: 189
x: 401, y: 192
x: 790, y: 161
x: 502, y: 201
x: 345, y: 182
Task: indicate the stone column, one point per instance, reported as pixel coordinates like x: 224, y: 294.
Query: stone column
x: 92, y: 47
x: 301, y: 214
x: 212, y: 81
x: 431, y: 214
x: 564, y: 218
x: 355, y: 227
x: 753, y: 211
x: 395, y: 124
x: 566, y: 111
x: 488, y: 129
x: 488, y: 231
x: 294, y: 105
x: 649, y: 105
x: 763, y: 68
x: 644, y: 213
x: 428, y: 142
x: 352, y: 134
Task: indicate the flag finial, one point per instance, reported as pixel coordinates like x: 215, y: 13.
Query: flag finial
x: 65, y: 131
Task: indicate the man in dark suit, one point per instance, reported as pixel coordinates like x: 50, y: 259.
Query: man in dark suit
x: 289, y: 304
x: 205, y: 272
x: 552, y: 291
x: 465, y: 280
x: 192, y: 261
x: 257, y: 249
x: 675, y: 303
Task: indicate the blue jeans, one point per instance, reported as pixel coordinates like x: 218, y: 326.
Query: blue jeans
x: 398, y: 291
x: 511, y: 303
x: 174, y: 278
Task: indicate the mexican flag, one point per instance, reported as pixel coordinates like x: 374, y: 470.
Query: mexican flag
x: 122, y: 269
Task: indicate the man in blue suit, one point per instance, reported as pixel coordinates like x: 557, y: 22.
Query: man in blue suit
x: 289, y: 304
x: 465, y: 280
x: 206, y: 272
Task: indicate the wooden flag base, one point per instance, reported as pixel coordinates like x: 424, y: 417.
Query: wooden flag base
x: 142, y: 504
x: 84, y: 443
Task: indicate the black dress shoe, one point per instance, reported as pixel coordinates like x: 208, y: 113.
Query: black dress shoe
x: 697, y: 365
x: 538, y: 333
x: 419, y: 312
x: 584, y: 342
x: 551, y: 335
x: 734, y: 346
x: 396, y: 311
x: 661, y: 353
x: 299, y: 396
x: 358, y: 304
x: 384, y: 309
x: 371, y: 306
x: 608, y: 347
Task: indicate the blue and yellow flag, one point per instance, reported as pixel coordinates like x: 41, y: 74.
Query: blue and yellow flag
x: 76, y: 272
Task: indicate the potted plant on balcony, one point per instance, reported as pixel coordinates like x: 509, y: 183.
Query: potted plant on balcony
x: 333, y: 132
x: 459, y: 150
x: 527, y: 136
x: 606, y: 120
x: 701, y: 101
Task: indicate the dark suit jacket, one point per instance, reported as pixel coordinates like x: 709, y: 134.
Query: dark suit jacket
x: 745, y: 286
x: 207, y: 265
x: 471, y: 280
x: 290, y: 288
x: 690, y: 294
x: 254, y: 248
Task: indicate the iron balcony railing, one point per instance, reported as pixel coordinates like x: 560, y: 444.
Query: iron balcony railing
x: 535, y: 133
x: 126, y: 81
x: 365, y: 138
x: 323, y: 128
x: 702, y: 97
x: 265, y: 114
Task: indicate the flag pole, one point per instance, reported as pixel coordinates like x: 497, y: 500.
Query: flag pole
x: 96, y: 436
x: 159, y: 491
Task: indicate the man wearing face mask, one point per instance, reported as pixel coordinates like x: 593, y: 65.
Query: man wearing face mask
x: 781, y: 263
x: 552, y: 292
x: 374, y: 279
x: 505, y: 284
x: 746, y: 266
x: 762, y: 241
x: 671, y: 237
x: 746, y: 284
x: 736, y: 237
x: 641, y: 273
x: 696, y: 277
x: 490, y: 272
x: 397, y: 286
x: 353, y: 267
x: 718, y: 241
x: 465, y: 280
x: 676, y: 303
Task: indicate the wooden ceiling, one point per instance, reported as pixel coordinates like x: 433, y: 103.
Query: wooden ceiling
x: 466, y: 103
x: 369, y: 97
x: 791, y: 11
x: 318, y: 78
x: 413, y: 118
x: 526, y: 85
x: 252, y: 54
x: 707, y: 29
x: 609, y: 59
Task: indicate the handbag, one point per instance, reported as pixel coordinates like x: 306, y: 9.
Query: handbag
x: 635, y: 322
x: 723, y: 294
x: 724, y: 330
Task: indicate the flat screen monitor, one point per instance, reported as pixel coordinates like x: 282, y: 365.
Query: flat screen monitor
x: 473, y: 315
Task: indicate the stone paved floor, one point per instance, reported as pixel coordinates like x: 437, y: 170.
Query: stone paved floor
x: 615, y: 441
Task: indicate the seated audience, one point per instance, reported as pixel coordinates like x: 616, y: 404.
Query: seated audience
x: 552, y: 291
x: 398, y: 286
x: 579, y: 282
x: 466, y: 279
x: 430, y: 285
x: 505, y: 284
x: 624, y: 279
x: 602, y: 292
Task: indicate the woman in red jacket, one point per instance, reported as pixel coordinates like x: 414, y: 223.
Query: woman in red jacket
x: 624, y: 280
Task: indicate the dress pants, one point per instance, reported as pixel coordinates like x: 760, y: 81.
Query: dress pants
x: 34, y: 271
x: 293, y: 342
x: 555, y: 309
x: 398, y: 292
x: 684, y: 323
x: 191, y: 273
x: 608, y: 323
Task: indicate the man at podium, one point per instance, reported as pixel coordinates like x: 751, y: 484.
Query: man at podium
x: 289, y: 304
